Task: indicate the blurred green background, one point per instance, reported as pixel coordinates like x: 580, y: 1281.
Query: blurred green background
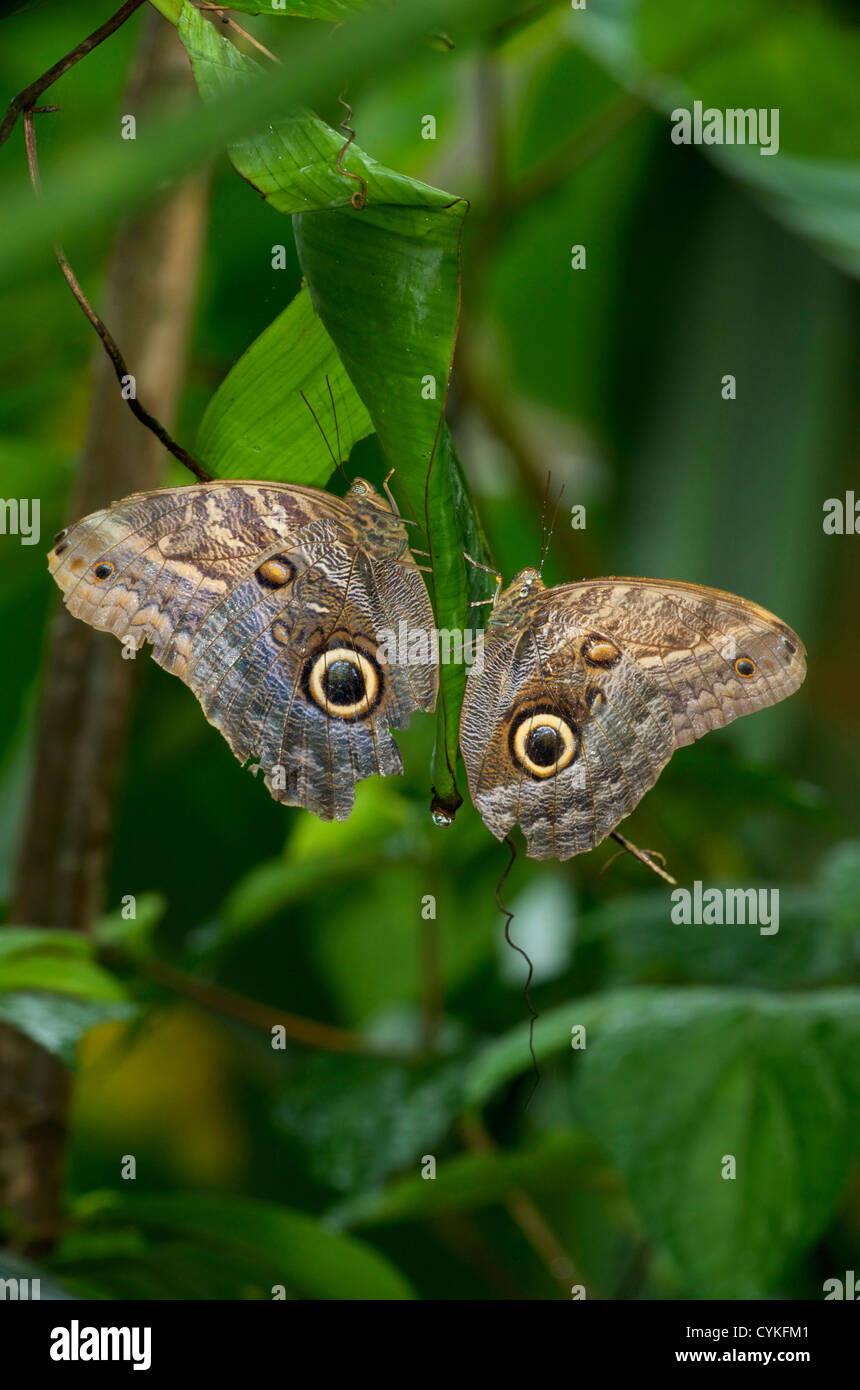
x: 702, y: 1041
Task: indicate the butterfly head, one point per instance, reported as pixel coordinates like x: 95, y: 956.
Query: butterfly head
x: 516, y: 601
x: 524, y: 586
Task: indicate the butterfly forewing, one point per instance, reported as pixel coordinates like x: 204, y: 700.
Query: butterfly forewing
x: 587, y: 689
x: 265, y: 600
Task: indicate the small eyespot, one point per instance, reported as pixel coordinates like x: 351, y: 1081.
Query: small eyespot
x: 58, y: 549
x: 598, y: 650
x: 594, y: 697
x: 61, y: 535
x: 789, y: 646
x: 745, y: 667
x: 275, y: 573
x: 103, y: 571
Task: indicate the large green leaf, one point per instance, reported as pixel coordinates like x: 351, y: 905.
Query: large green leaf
x: 674, y: 1080
x: 384, y: 279
x: 686, y: 1080
x: 361, y: 1118
x: 283, y: 1246
x: 258, y: 426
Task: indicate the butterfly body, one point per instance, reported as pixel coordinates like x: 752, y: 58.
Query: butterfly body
x: 587, y: 689
x: 270, y: 601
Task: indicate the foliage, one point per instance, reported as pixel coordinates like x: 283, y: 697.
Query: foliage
x: 257, y: 1166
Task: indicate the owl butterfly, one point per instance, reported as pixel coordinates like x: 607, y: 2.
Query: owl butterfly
x: 586, y: 690
x: 269, y: 601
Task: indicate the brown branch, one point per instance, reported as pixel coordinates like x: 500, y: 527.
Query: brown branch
x: 87, y: 689
x: 306, y: 1031
x: 27, y: 99
x: 118, y: 362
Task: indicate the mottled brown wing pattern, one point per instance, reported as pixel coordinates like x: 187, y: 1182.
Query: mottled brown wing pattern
x: 587, y: 689
x: 269, y: 602
x: 690, y: 640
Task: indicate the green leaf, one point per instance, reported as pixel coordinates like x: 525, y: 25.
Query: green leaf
x: 508, y: 1056
x: 361, y: 1118
x: 755, y: 54
x: 132, y: 933
x: 258, y: 426
x: 97, y: 179
x: 18, y: 941
x: 57, y: 1022
x: 472, y: 1181
x: 284, y: 1246
x: 644, y: 945
x: 304, y: 9
x: 385, y: 282
x: 32, y: 958
x: 686, y: 1078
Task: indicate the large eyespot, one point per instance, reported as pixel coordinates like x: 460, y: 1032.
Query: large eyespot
x: 276, y: 572
x: 343, y: 682
x: 103, y: 571
x: 542, y: 743
x: 599, y: 650
x: 745, y: 667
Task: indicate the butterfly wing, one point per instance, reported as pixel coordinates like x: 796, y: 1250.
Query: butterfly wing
x: 270, y: 603
x: 587, y: 689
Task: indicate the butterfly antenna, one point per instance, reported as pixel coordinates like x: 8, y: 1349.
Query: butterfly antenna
x: 336, y: 461
x: 336, y: 429
x: 533, y: 1014
x: 548, y: 537
x: 543, y: 511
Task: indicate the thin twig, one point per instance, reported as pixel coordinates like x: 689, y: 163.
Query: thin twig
x: 27, y: 99
x: 524, y: 1212
x: 359, y: 197
x: 208, y: 6
x: 118, y: 361
x: 644, y: 857
x: 306, y: 1031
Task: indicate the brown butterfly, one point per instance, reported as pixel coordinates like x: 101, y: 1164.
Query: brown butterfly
x: 270, y: 601
x: 586, y: 690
